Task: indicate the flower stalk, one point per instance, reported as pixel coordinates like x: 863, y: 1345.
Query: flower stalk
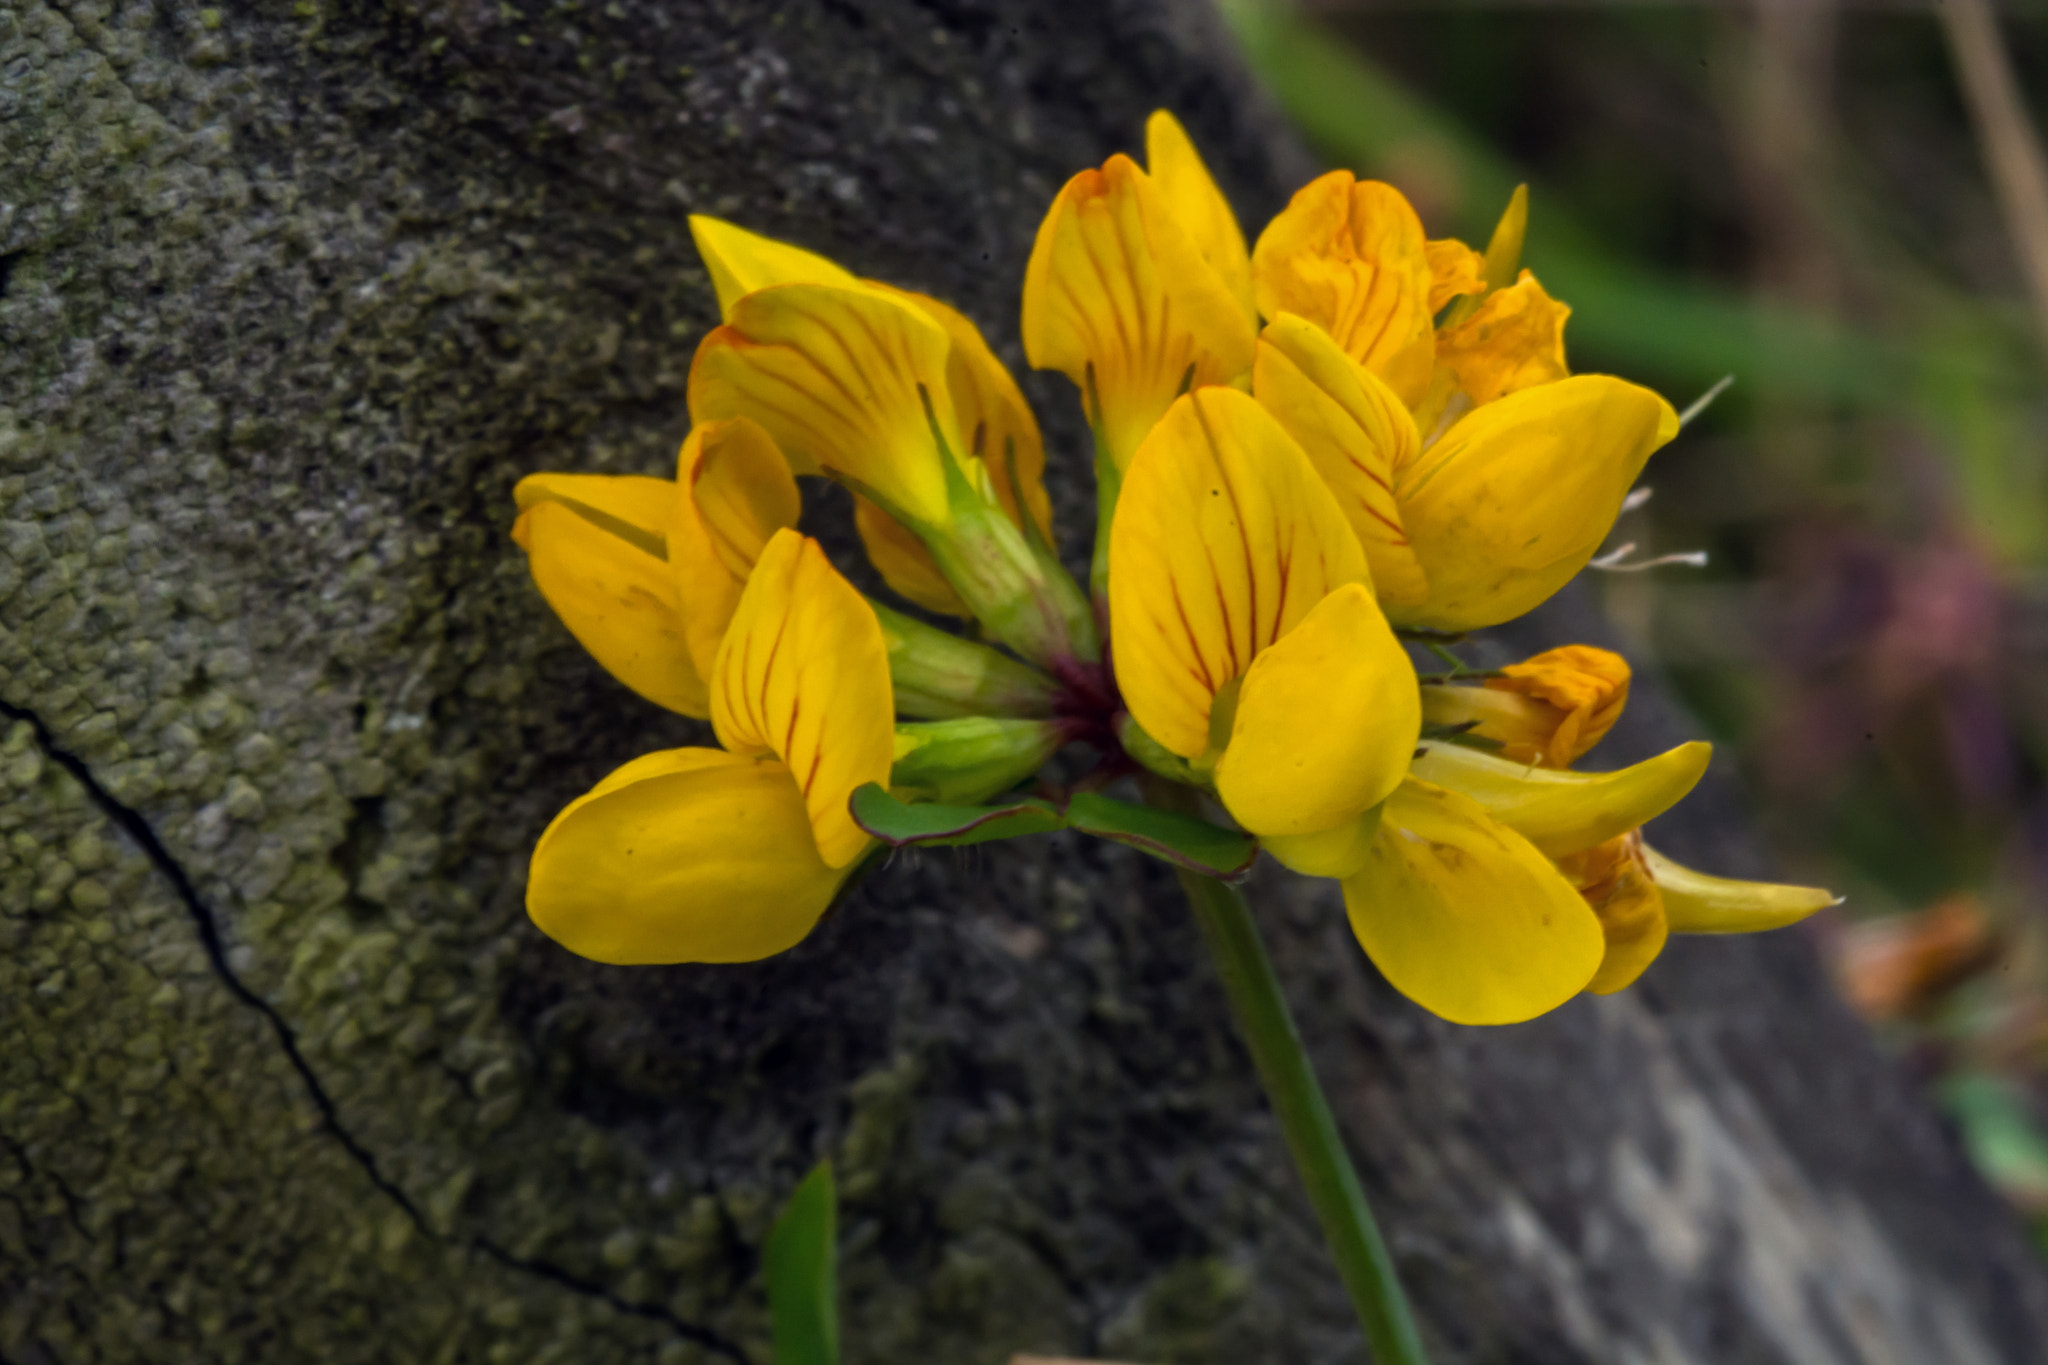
x: 1298, y: 1102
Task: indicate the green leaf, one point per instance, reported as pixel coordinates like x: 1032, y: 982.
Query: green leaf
x: 901, y: 825
x: 1179, y: 839
x: 803, y: 1274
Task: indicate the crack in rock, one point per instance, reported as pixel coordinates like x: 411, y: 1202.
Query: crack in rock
x: 131, y: 822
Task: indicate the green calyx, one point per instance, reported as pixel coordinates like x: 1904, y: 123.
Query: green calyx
x: 939, y: 676
x: 1155, y: 757
x: 1014, y: 585
x: 970, y: 758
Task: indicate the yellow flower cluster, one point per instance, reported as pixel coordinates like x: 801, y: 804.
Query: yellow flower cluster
x: 1302, y: 449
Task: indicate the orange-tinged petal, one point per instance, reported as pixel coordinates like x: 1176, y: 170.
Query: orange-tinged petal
x: 1118, y: 297
x: 1465, y: 917
x: 1514, y: 499
x: 1224, y: 539
x: 1454, y: 270
x: 1358, y: 435
x: 1326, y: 721
x: 733, y: 491
x: 840, y: 378
x: 741, y: 262
x: 1548, y: 709
x: 1617, y: 884
x: 1588, y: 686
x: 1197, y: 205
x: 690, y: 855
x: 1514, y: 341
x: 903, y: 561
x: 617, y: 600
x: 804, y: 674
x: 1349, y: 255
x: 996, y: 425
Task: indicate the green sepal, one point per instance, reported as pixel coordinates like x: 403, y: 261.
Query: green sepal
x: 900, y: 824
x: 802, y: 1265
x: 1155, y: 757
x: 1181, y: 840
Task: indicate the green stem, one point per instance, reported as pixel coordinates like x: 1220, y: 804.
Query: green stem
x: 1312, y: 1138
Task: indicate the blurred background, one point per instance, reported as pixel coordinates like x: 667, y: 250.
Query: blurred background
x: 1843, y: 206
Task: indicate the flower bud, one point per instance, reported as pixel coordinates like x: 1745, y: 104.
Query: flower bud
x: 1546, y: 710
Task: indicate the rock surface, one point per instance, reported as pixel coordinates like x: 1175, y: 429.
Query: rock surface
x: 290, y: 295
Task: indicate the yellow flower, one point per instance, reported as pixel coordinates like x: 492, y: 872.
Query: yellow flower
x: 1000, y: 439
x: 709, y: 855
x: 645, y: 572
x: 1247, y: 641
x: 1349, y: 256
x: 1478, y: 474
x: 1253, y: 547
x: 1549, y: 709
x: 848, y: 381
x: 1138, y: 290
x: 1590, y: 826
x: 896, y: 395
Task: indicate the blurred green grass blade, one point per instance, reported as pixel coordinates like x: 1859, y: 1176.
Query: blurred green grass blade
x: 803, y: 1274
x: 2003, y: 1138
x: 1627, y: 317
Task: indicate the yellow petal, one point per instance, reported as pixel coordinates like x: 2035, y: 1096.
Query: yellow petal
x: 804, y: 674
x: 1465, y: 917
x: 903, y: 561
x: 740, y: 491
x: 691, y: 855
x: 1224, y: 539
x: 1616, y: 882
x: 1358, y: 435
x: 1349, y: 255
x: 839, y: 377
x: 1698, y: 904
x: 1197, y: 205
x: 1454, y: 270
x: 741, y: 262
x: 1565, y: 812
x: 616, y: 599
x: 1118, y: 297
x: 1326, y: 721
x: 733, y: 491
x: 995, y: 422
x: 1504, y: 248
x: 1514, y: 499
x: 1514, y: 341
x: 1335, y: 852
x: 633, y: 507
